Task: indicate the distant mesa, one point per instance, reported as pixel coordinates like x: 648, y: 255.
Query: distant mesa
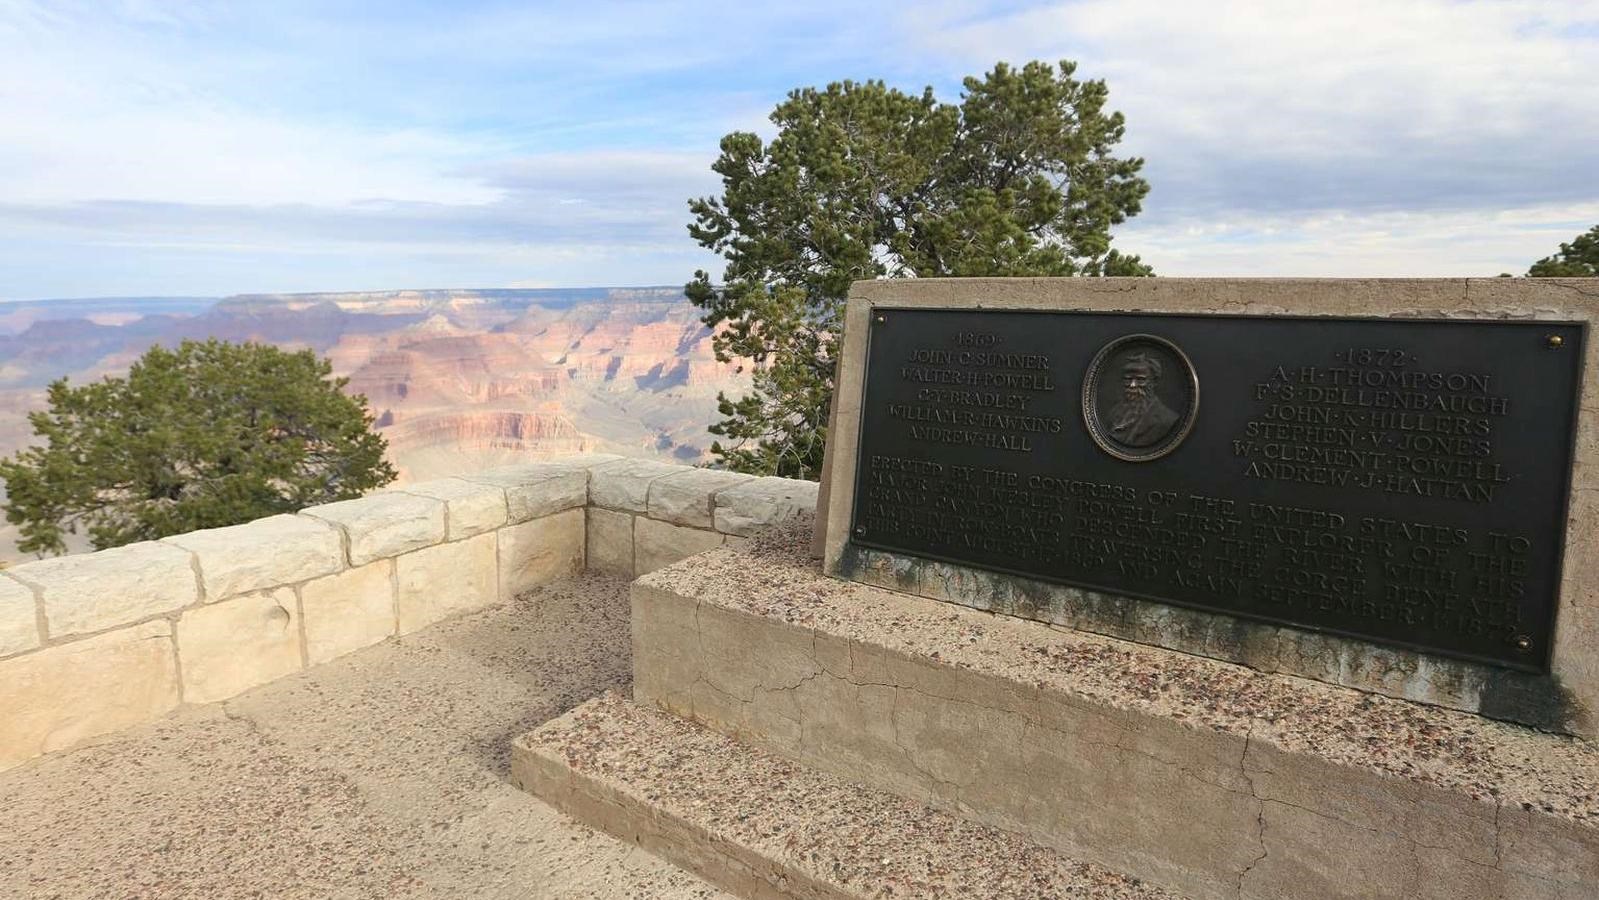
x: 458, y: 379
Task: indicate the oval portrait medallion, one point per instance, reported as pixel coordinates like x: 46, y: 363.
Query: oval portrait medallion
x: 1140, y: 397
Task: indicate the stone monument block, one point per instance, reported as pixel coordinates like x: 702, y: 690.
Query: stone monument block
x: 262, y: 554
x: 61, y: 696
x: 233, y: 645
x: 92, y: 592
x: 1375, y: 483
x: 442, y: 581
x: 540, y: 551
x: 19, y: 618
x: 348, y: 611
x: 471, y: 507
x: 381, y: 525
x: 1210, y: 779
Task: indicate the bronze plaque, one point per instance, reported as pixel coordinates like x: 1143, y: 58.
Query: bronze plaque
x: 1398, y: 480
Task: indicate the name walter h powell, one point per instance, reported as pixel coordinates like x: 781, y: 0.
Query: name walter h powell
x: 987, y: 401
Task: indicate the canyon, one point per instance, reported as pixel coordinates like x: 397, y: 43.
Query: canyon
x: 458, y: 380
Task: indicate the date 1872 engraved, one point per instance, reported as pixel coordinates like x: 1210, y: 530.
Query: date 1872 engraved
x: 1401, y: 481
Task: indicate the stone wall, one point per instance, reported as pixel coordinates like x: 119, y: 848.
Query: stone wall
x: 94, y: 643
x: 643, y: 515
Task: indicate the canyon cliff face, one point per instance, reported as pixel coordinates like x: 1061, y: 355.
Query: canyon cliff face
x: 632, y: 373
x: 457, y: 380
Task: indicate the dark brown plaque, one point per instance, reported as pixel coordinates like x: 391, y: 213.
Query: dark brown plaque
x: 1398, y: 480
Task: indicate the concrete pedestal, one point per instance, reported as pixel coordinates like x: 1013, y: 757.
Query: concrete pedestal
x: 1208, y: 778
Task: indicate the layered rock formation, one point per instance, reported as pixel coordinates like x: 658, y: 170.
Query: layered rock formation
x: 632, y: 373
x: 458, y: 380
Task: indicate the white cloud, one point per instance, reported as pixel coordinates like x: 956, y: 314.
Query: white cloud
x: 1381, y: 244
x: 555, y: 143
x: 1365, y: 137
x: 92, y: 108
x: 1316, y: 83
x: 626, y: 228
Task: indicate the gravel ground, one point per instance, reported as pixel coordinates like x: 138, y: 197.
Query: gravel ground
x: 383, y: 774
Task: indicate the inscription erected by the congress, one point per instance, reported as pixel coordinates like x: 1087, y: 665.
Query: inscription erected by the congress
x: 1399, y: 480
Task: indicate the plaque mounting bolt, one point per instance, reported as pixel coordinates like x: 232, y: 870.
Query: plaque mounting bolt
x: 1556, y: 341
x: 880, y: 319
x: 1523, y: 643
x: 860, y: 530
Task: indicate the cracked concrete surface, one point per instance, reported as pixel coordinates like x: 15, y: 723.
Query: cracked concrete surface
x: 767, y: 827
x: 1260, y: 816
x: 1208, y: 777
x: 382, y: 774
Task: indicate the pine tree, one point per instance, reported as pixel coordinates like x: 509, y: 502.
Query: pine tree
x: 864, y: 181
x: 206, y: 435
x: 1578, y: 259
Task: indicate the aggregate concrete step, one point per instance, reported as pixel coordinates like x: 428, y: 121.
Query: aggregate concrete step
x: 1209, y: 778
x: 761, y: 826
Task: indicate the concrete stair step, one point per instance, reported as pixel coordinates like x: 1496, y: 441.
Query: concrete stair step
x: 761, y: 826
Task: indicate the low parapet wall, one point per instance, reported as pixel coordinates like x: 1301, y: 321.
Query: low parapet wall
x: 94, y: 643
x: 643, y: 515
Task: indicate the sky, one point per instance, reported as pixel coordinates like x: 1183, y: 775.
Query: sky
x: 167, y: 147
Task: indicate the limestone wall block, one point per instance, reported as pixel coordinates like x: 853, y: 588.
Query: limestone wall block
x: 624, y: 485
x: 658, y: 544
x: 541, y: 551
x: 382, y: 525
x: 472, y: 507
x: 262, y: 554
x: 438, y: 582
x: 747, y: 508
x: 94, y: 591
x: 233, y: 645
x: 559, y: 491
x: 686, y: 498
x: 19, y: 617
x: 60, y: 696
x: 610, y: 542
x: 538, y: 489
x: 347, y: 611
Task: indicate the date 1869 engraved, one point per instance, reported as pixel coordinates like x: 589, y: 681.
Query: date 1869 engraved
x: 1400, y: 481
